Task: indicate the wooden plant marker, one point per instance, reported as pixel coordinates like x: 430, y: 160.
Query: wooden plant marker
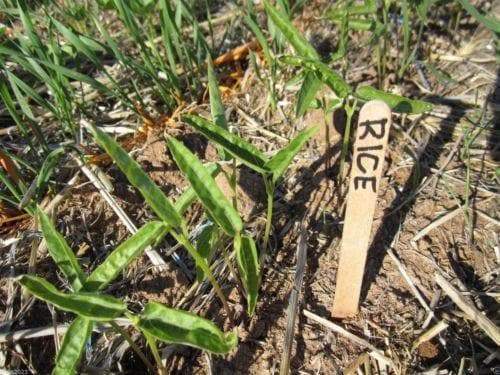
x: 368, y: 160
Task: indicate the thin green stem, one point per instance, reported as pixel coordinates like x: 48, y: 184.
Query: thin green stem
x: 345, y: 141
x: 152, y: 344
x: 269, y: 216
x: 182, y: 238
x: 133, y: 345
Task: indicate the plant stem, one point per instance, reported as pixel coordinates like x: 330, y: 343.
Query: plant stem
x: 182, y: 238
x: 269, y: 216
x: 134, y: 347
x: 152, y: 344
x: 345, y: 141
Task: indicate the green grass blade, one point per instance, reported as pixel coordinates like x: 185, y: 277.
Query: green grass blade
x: 88, y: 305
x: 237, y: 147
x: 29, y: 91
x: 280, y: 162
x: 182, y: 327
x: 76, y: 42
x: 72, y: 347
x: 396, y: 102
x: 255, y: 28
x: 60, y: 252
x: 248, y: 263
x: 307, y: 93
x: 77, y: 76
x: 293, y: 36
x: 156, y: 199
x: 491, y: 22
x: 47, y: 169
x: 123, y: 255
x: 212, y: 198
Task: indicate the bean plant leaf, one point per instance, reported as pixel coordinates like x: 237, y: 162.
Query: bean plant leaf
x: 156, y: 199
x: 279, y: 162
x: 294, y: 37
x: 123, y: 255
x: 182, y: 327
x: 216, y: 107
x: 72, y: 346
x: 248, y: 264
x: 205, y: 245
x: 88, y: 305
x: 323, y: 72
x: 237, y: 147
x: 189, y: 196
x: 60, y: 252
x: 307, y: 93
x: 212, y: 198
x: 396, y: 102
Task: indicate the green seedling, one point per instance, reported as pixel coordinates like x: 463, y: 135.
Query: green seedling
x: 91, y: 306
x: 272, y: 169
x: 157, y: 200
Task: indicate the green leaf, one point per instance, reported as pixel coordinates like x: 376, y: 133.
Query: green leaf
x: 156, y: 199
x: 123, y: 255
x: 212, y: 198
x: 182, y: 327
x: 61, y: 253
x: 205, y: 245
x: 307, y: 93
x: 279, y: 162
x: 76, y: 42
x: 396, y: 102
x: 216, y: 107
x: 47, y: 168
x: 237, y: 147
x: 248, y: 264
x: 88, y: 305
x: 294, y: 37
x: 261, y: 39
x: 491, y: 23
x: 189, y: 195
x: 327, y: 76
x: 72, y: 347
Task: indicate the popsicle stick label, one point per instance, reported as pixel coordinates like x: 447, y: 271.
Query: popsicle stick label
x: 367, y: 164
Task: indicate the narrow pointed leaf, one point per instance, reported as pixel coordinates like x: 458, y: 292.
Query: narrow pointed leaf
x: 205, y: 245
x: 279, y: 162
x: 156, y: 199
x: 123, y: 255
x: 396, y: 102
x: 248, y: 264
x: 88, y: 305
x: 490, y: 21
x: 76, y: 42
x: 216, y: 107
x: 294, y: 37
x: 237, y: 147
x: 212, y: 198
x: 72, y: 347
x: 327, y: 75
x: 60, y: 252
x: 307, y: 93
x: 47, y: 168
x: 182, y: 327
x: 189, y: 196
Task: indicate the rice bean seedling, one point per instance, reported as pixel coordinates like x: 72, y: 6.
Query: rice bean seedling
x: 223, y: 135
